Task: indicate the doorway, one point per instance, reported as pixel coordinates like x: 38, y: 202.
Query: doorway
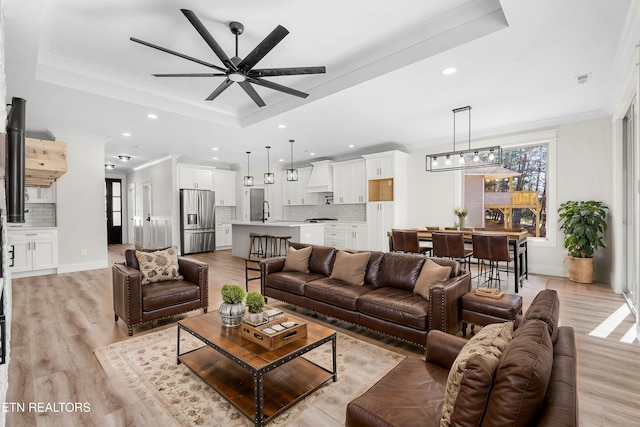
x: 631, y: 220
x: 113, y: 210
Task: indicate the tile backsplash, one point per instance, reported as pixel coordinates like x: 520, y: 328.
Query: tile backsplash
x: 40, y: 215
x: 357, y: 212
x: 225, y: 213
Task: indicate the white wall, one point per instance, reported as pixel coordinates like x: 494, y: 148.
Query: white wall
x: 80, y: 205
x: 584, y: 164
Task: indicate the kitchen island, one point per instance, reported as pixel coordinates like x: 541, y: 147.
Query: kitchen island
x: 303, y: 232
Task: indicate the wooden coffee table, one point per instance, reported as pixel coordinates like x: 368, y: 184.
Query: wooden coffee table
x: 259, y: 383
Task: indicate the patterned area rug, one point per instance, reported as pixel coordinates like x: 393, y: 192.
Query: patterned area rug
x: 174, y: 396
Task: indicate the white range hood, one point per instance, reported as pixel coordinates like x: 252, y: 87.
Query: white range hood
x: 321, y: 179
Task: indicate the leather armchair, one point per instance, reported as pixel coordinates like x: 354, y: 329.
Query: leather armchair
x: 137, y: 304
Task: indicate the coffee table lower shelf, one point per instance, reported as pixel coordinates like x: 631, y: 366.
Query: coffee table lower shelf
x: 282, y: 387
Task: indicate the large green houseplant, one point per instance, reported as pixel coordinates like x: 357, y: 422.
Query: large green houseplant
x: 584, y: 225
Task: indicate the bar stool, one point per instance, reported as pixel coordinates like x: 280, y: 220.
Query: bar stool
x: 480, y: 243
x: 495, y: 249
x: 451, y: 245
x: 280, y: 245
x: 256, y: 248
x: 257, y: 251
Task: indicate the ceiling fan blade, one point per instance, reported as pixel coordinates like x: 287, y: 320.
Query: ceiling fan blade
x: 190, y: 75
x: 252, y: 93
x: 291, y: 71
x: 178, y: 54
x: 263, y: 48
x: 223, y: 86
x: 204, y: 33
x: 276, y: 86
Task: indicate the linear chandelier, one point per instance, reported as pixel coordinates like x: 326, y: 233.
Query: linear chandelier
x: 467, y: 158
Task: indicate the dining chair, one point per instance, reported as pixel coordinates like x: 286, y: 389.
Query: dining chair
x: 397, y: 241
x: 412, y: 245
x: 451, y: 245
x: 480, y: 245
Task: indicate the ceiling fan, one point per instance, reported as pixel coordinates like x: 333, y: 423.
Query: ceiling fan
x: 237, y: 69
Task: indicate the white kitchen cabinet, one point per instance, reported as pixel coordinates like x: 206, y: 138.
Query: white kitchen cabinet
x: 334, y: 235
x: 380, y: 221
x: 224, y: 238
x: 349, y: 235
x: 33, y: 251
x: 295, y: 192
x: 224, y: 184
x: 380, y: 165
x: 349, y: 182
x: 194, y: 177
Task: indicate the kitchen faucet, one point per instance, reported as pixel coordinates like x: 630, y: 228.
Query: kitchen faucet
x: 265, y: 211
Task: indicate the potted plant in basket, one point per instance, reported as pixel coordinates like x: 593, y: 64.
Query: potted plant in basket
x: 255, y: 306
x: 583, y: 224
x: 232, y: 310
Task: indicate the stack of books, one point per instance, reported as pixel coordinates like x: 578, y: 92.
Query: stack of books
x: 272, y: 314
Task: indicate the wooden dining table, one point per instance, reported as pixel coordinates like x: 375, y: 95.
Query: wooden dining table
x: 517, y: 244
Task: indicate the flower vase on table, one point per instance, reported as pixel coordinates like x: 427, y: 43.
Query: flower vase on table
x: 461, y: 213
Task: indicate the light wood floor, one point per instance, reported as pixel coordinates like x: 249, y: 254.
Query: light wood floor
x: 59, y: 319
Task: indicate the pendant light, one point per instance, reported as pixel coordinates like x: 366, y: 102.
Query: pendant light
x: 248, y: 180
x: 269, y: 177
x: 292, y: 174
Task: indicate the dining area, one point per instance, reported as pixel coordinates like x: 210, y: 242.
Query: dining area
x: 493, y: 251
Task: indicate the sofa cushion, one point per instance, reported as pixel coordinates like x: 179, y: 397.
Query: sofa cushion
x: 521, y: 382
x: 321, y: 260
x: 350, y: 268
x: 158, y: 295
x: 471, y: 375
x: 336, y: 292
x: 400, y: 270
x: 397, y: 306
x: 546, y: 307
x: 291, y: 281
x: 297, y: 259
x: 158, y: 266
x: 430, y: 274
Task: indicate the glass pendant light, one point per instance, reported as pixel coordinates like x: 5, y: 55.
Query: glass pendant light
x: 248, y: 180
x: 292, y: 174
x: 269, y: 177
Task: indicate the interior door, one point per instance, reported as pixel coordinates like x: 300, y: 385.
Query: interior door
x: 113, y: 210
x: 146, y: 212
x: 131, y: 208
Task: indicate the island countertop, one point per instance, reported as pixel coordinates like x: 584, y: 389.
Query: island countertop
x: 303, y: 232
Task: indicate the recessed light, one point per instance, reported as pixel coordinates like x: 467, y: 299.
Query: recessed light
x: 281, y: 160
x: 124, y: 158
x: 351, y: 145
x: 109, y: 166
x: 215, y: 158
x: 448, y: 71
x: 126, y: 134
x: 282, y: 126
x: 215, y: 148
x: 312, y: 154
x: 152, y: 116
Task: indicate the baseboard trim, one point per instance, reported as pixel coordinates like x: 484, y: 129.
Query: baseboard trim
x: 71, y: 268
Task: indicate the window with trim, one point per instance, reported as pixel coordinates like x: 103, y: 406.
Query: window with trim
x: 516, y: 195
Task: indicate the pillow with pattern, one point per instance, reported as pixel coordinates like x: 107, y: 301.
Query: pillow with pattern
x: 158, y: 266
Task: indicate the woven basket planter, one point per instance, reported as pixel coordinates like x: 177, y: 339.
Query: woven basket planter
x: 580, y: 269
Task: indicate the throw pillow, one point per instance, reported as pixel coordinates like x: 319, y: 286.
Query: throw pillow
x: 431, y: 273
x: 350, y: 268
x: 487, y: 344
x: 158, y: 266
x: 297, y: 259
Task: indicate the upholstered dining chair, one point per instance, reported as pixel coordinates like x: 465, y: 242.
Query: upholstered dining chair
x: 451, y: 245
x: 397, y: 240
x: 412, y: 245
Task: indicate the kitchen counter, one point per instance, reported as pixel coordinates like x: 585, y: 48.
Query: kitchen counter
x: 303, y: 232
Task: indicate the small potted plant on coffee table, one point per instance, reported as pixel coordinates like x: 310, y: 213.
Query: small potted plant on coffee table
x: 232, y: 310
x: 255, y: 305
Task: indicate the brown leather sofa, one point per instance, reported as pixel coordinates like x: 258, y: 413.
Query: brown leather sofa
x: 385, y: 302
x: 137, y: 304
x: 519, y: 394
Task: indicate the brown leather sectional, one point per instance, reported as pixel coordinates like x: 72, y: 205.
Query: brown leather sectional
x: 384, y: 303
x: 535, y: 381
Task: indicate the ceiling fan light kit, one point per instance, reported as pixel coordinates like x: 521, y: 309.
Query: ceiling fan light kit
x: 236, y: 69
x: 464, y: 159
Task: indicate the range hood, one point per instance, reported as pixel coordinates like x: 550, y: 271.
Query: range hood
x: 321, y: 179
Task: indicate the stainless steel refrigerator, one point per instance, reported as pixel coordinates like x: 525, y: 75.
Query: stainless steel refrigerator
x: 197, y: 221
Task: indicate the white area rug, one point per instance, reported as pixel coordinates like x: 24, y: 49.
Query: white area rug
x: 176, y: 397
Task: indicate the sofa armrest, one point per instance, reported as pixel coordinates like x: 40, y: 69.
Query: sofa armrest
x: 443, y: 348
x: 127, y: 293
x: 196, y: 272
x: 445, y: 310
x: 268, y: 266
